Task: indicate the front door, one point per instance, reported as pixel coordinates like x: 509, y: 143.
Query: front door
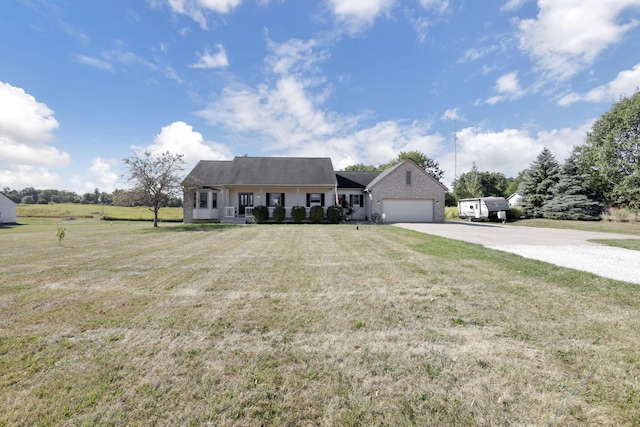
x: 244, y: 200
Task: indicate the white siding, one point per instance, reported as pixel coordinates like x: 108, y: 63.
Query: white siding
x: 7, y: 210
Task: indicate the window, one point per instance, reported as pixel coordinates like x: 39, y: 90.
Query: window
x: 315, y: 199
x: 275, y: 199
x: 408, y: 177
x: 203, y: 200
x: 356, y: 200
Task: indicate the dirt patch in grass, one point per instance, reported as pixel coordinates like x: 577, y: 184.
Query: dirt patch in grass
x: 306, y: 325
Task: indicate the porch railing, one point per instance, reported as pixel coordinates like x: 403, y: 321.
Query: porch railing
x: 248, y: 211
x: 229, y: 211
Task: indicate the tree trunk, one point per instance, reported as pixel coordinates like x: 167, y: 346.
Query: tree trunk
x: 155, y: 217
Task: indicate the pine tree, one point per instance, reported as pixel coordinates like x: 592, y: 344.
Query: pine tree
x: 572, y: 199
x: 537, y: 182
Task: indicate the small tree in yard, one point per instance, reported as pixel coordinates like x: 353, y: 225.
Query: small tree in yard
x: 158, y: 177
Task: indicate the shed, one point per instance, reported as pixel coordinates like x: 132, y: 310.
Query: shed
x: 7, y: 210
x: 483, y: 208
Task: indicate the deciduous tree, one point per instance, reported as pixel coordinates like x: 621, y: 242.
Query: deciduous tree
x: 611, y: 154
x: 156, y: 176
x: 429, y: 165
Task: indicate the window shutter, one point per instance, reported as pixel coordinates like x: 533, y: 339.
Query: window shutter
x: 322, y: 199
x: 268, y: 202
x: 308, y: 200
x: 350, y: 199
x: 282, y: 200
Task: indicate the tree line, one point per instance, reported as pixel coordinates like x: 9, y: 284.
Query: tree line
x: 602, y: 172
x: 118, y: 197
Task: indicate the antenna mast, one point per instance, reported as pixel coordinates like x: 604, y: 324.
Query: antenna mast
x: 455, y: 149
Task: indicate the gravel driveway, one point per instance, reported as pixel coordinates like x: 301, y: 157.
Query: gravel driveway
x: 566, y: 248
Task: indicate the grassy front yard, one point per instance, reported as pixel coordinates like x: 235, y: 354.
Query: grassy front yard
x: 304, y: 325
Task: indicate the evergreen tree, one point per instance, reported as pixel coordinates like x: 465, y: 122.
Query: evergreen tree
x: 537, y: 183
x: 572, y: 199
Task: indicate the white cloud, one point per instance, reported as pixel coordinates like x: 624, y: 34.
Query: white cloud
x: 198, y: 9
x: 437, y: 5
x: 210, y: 59
x: 453, y: 114
x: 180, y: 138
x: 101, y: 169
x: 23, y: 176
x: 508, y: 88
x: 114, y: 59
x: 477, y: 53
x: 509, y: 151
x: 94, y: 62
x: 99, y: 176
x: 568, y: 36
x: 358, y: 15
x: 26, y: 128
x: 625, y: 84
x: 23, y: 119
x: 171, y: 73
x: 286, y: 116
x: 512, y: 5
x: 295, y: 56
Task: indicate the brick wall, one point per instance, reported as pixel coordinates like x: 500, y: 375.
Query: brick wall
x: 423, y: 186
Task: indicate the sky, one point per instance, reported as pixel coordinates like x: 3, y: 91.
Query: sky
x: 85, y: 84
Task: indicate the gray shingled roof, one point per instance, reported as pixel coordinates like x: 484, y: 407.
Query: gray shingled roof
x: 207, y: 173
x: 391, y: 169
x: 355, y: 179
x: 265, y: 171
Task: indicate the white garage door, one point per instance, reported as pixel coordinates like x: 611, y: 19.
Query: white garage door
x: 407, y: 210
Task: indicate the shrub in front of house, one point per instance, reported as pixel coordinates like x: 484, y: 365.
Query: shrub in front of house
x: 260, y: 214
x: 515, y: 212
x: 334, y: 214
x: 279, y: 214
x: 317, y: 214
x: 298, y: 213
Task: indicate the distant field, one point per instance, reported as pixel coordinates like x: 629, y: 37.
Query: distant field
x: 290, y: 325
x: 114, y: 213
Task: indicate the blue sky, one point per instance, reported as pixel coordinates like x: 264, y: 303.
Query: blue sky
x: 84, y: 84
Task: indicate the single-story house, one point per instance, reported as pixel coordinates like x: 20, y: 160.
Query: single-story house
x: 7, y: 210
x: 514, y: 200
x: 228, y: 190
x: 352, y: 195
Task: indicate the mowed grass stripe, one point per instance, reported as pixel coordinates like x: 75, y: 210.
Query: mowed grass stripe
x: 304, y: 325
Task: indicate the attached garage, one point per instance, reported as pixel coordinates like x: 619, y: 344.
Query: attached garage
x: 407, y: 210
x: 406, y: 193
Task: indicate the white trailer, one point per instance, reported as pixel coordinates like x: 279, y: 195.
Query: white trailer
x: 483, y: 208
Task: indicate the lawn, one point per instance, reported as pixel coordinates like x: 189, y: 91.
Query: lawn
x: 294, y: 325
x: 106, y: 212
